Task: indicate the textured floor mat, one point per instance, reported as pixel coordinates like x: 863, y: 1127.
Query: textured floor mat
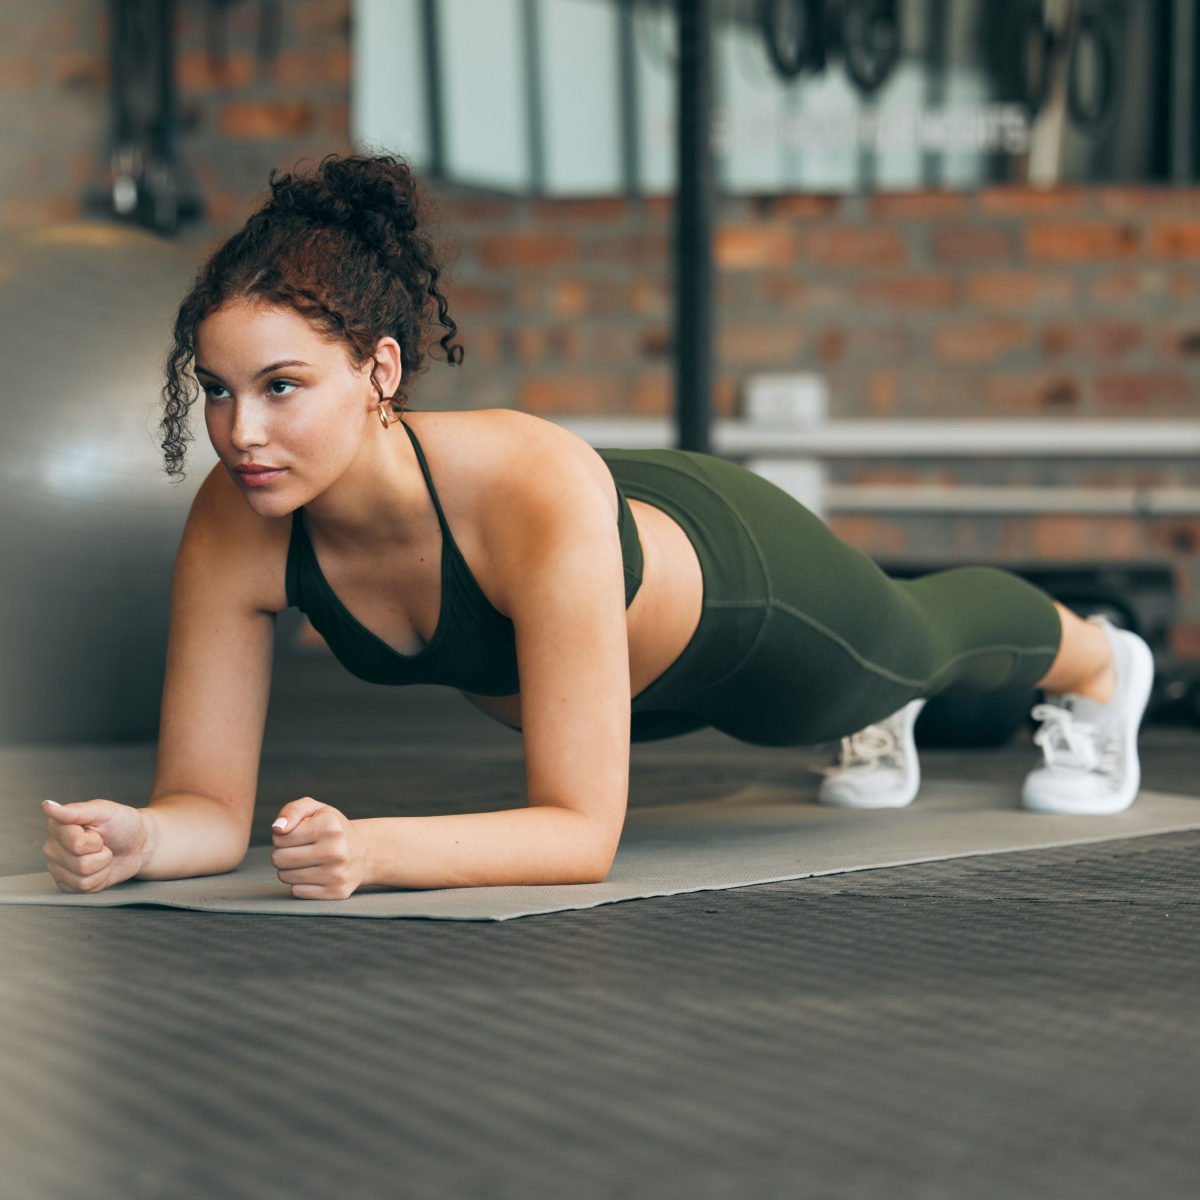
x: 758, y: 835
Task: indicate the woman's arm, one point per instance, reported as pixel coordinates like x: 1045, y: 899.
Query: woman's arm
x: 217, y: 684
x: 551, y: 560
x: 322, y: 855
x: 214, y: 706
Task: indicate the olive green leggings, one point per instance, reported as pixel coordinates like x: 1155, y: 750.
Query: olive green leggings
x: 802, y: 638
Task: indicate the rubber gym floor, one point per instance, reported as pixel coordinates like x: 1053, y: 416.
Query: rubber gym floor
x: 1022, y: 1025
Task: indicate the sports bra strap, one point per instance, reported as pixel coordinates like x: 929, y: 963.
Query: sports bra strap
x: 437, y: 504
x: 296, y: 546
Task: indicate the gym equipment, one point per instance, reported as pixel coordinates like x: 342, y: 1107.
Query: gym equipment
x: 89, y: 523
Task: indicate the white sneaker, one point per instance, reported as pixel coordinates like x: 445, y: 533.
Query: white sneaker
x: 878, y: 765
x: 1091, y: 749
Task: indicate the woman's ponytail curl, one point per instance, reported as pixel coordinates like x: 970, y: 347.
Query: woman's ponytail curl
x: 340, y: 245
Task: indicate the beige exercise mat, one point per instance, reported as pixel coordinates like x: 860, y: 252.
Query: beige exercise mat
x: 759, y: 835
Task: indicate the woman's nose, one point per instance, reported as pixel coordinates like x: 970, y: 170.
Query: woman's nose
x: 249, y: 426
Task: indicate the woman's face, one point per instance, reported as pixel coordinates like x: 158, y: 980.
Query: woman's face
x: 287, y: 410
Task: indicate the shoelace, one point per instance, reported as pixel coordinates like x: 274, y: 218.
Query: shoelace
x: 1068, y: 742
x: 866, y: 747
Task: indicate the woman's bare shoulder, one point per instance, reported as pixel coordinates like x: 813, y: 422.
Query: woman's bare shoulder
x: 499, y: 452
x: 232, y: 548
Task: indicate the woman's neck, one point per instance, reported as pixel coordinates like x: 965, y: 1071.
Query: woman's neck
x: 380, y: 497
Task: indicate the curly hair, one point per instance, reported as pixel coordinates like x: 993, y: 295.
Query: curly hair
x: 339, y: 245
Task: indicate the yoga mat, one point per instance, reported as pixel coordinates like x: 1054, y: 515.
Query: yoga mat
x: 758, y: 835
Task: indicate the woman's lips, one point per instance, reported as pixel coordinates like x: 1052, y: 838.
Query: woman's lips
x: 254, y: 475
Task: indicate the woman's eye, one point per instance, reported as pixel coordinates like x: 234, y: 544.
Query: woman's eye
x: 214, y: 391
x: 280, y: 387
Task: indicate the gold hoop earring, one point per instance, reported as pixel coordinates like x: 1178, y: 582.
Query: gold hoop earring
x: 386, y: 409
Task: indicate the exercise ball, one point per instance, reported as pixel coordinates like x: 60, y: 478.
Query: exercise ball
x: 89, y: 522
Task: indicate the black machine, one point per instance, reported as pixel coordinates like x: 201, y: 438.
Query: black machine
x: 147, y: 182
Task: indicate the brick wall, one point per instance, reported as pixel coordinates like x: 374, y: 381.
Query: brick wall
x: 1008, y: 302
x: 53, y: 90
x: 237, y: 120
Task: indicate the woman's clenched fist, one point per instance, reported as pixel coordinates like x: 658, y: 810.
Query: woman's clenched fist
x: 318, y: 852
x: 94, y: 844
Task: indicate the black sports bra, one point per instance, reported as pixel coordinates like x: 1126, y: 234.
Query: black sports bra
x: 473, y: 647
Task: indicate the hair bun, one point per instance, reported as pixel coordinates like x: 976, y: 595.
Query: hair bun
x: 376, y: 196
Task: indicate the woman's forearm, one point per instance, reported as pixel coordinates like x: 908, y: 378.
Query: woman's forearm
x: 190, y: 835
x: 543, y: 844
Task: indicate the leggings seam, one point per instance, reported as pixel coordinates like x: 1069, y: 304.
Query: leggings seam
x: 893, y: 676
x: 760, y: 558
x: 741, y: 662
x: 737, y: 516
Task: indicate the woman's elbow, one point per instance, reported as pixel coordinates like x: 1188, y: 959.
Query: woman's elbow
x: 595, y: 866
x: 597, y: 874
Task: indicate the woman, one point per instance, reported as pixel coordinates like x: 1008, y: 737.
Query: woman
x: 499, y: 554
